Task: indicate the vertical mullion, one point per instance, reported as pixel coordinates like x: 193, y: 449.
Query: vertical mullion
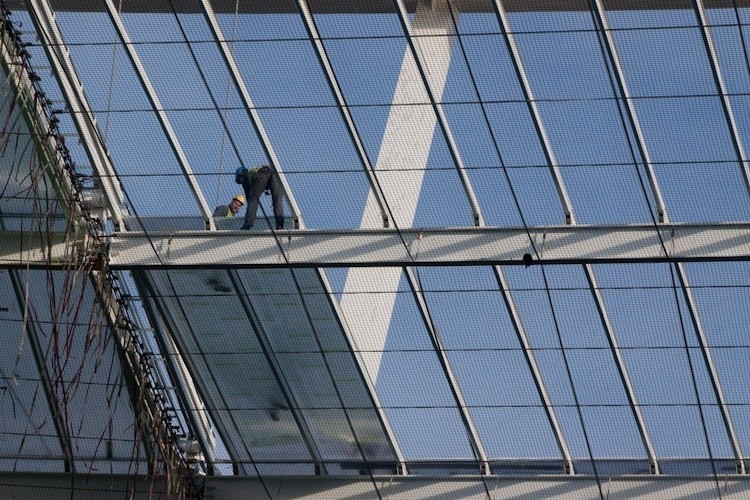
x: 700, y: 12
x: 476, y: 442
x: 528, y: 351
x: 155, y: 308
x: 622, y: 369
x: 601, y: 17
x: 441, y: 6
x: 273, y: 362
x: 253, y: 115
x: 401, y: 466
x: 161, y: 114
x: 343, y: 108
x: 80, y: 110
x: 713, y: 375
x: 510, y: 41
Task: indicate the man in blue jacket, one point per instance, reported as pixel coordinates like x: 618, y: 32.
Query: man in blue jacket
x: 254, y: 182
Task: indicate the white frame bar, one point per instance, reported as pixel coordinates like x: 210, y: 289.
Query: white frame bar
x: 343, y: 108
x: 474, y: 246
x: 700, y: 12
x: 713, y: 374
x: 239, y: 83
x: 622, y: 369
x: 536, y: 373
x: 473, y: 435
x: 627, y: 99
x: 442, y: 121
x: 80, y: 110
x: 536, y: 116
x: 161, y: 114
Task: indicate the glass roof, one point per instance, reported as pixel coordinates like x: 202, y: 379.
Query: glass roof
x: 429, y: 116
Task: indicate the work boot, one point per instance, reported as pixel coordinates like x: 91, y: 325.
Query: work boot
x: 246, y: 227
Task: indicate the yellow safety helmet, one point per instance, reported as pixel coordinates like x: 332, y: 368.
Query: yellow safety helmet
x: 240, y: 198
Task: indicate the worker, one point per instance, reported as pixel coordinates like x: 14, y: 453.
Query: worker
x: 254, y: 182
x: 231, y: 209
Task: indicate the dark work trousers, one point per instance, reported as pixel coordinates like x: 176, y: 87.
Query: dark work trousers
x: 263, y: 179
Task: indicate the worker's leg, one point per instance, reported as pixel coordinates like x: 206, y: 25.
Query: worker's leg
x: 277, y: 191
x: 253, y: 189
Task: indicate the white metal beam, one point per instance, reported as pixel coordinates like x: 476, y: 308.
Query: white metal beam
x: 80, y: 110
x: 536, y: 373
x: 325, y: 63
x: 627, y: 99
x: 523, y: 81
x: 713, y: 57
x: 148, y: 88
x: 253, y: 114
x: 382, y: 248
x: 385, y: 247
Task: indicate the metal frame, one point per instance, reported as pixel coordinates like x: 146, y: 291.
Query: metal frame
x: 317, y: 42
x: 700, y: 12
x: 442, y: 121
x: 601, y: 17
x: 536, y: 373
x: 375, y: 6
x: 239, y: 83
x: 80, y: 110
x: 278, y: 373
x: 161, y: 114
x: 437, y: 344
x: 622, y: 369
x: 502, y: 18
x: 383, y: 248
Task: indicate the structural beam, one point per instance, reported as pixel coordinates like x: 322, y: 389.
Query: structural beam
x: 535, y: 114
x: 80, y: 110
x: 161, y: 114
x: 346, y: 115
x: 386, y: 247
x: 383, y: 248
x: 536, y: 373
x: 34, y: 249
x: 442, y: 356
x: 373, y: 6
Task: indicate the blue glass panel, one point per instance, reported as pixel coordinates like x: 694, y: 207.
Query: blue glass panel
x: 662, y: 422
x: 495, y: 378
x: 516, y: 433
x: 467, y: 309
x: 613, y: 433
x: 639, y: 20
x: 416, y: 429
x: 270, y: 26
x: 367, y: 70
x: 564, y: 65
x: 704, y: 193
